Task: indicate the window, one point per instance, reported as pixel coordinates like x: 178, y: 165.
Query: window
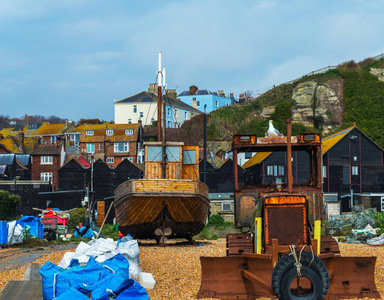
x: 109, y: 132
x: 128, y: 131
x: 46, y: 176
x: 152, y: 120
x: 127, y: 158
x: 135, y: 108
x: 175, y: 111
x: 53, y: 139
x: 46, y: 160
x: 121, y: 147
x: 75, y: 138
x: 110, y: 160
x: 355, y: 170
x: 382, y: 203
x: 90, y: 148
x: 169, y: 111
x: 189, y: 157
x: 129, y: 121
x: 324, y: 171
x: 141, y: 114
x: 100, y: 146
x: 275, y: 170
x: 248, y: 155
x: 185, y: 115
x: 198, y: 103
x: 217, y: 103
x: 89, y: 133
x: 227, y: 104
x: 169, y: 124
x: 226, y: 207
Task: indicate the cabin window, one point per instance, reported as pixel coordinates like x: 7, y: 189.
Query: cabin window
x: 110, y: 160
x: 128, y: 131
x: 275, y: 170
x: 324, y: 171
x: 355, y: 170
x: 109, y: 132
x: 89, y: 133
x: 248, y: 155
x: 189, y: 157
x: 135, y: 108
x: 122, y: 147
x: 46, y: 160
x: 100, y: 146
x: 226, y: 207
x: 90, y: 148
x: 47, y: 176
x: 172, y: 153
x: 154, y: 153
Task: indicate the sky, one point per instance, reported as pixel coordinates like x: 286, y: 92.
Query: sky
x: 74, y: 58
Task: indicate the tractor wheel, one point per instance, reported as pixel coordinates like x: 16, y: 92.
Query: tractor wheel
x: 313, y: 268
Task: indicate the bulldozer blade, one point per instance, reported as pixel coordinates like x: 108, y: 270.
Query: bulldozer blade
x: 351, y: 277
x: 235, y: 277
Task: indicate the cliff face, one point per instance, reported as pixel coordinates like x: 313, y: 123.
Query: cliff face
x: 316, y: 104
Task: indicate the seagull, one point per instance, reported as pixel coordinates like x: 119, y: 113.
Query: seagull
x: 272, y: 131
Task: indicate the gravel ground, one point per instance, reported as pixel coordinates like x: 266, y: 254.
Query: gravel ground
x: 176, y: 267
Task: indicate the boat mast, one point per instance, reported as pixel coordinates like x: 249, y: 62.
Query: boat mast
x: 161, y: 115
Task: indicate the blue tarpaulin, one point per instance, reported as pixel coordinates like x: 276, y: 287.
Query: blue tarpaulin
x: 92, y: 281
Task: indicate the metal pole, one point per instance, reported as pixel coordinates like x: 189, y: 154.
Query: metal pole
x: 289, y: 156
x: 205, y: 144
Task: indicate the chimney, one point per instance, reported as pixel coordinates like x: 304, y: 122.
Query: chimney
x: 172, y: 94
x: 221, y: 92
x: 194, y: 103
x: 21, y: 140
x: 152, y: 88
x: 192, y: 90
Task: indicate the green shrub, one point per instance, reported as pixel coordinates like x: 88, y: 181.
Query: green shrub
x: 77, y: 216
x: 8, y: 204
x: 379, y: 217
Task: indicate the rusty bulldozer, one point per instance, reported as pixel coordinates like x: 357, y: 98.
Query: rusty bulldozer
x: 285, y: 257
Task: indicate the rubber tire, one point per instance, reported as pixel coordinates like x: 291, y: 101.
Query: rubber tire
x: 287, y: 263
x: 291, y: 275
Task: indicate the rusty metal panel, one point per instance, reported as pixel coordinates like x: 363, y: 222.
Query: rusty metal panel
x: 287, y: 223
x: 239, y: 243
x: 245, y: 205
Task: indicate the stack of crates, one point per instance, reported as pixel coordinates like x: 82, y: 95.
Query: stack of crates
x: 3, y: 232
x: 239, y: 243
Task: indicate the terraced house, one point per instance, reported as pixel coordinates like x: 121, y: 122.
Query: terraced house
x: 112, y: 143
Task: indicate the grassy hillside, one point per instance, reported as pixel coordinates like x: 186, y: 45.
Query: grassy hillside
x: 363, y: 98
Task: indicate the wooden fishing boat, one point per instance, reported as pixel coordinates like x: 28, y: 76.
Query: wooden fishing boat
x: 174, y: 207
x: 170, y: 202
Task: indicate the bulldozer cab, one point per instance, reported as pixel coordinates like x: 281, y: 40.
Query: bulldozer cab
x: 294, y: 168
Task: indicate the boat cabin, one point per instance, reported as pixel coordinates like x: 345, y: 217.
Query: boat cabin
x: 173, y: 161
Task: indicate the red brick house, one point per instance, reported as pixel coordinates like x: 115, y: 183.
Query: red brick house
x: 113, y: 143
x: 46, y: 160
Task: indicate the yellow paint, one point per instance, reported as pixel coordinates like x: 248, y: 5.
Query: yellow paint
x: 318, y: 234
x: 285, y: 200
x: 258, y: 235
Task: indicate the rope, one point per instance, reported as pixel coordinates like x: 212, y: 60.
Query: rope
x: 298, y: 265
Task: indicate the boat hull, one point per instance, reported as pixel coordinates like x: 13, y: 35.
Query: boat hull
x: 142, y: 206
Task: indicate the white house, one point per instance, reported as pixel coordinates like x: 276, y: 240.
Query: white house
x: 143, y: 106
